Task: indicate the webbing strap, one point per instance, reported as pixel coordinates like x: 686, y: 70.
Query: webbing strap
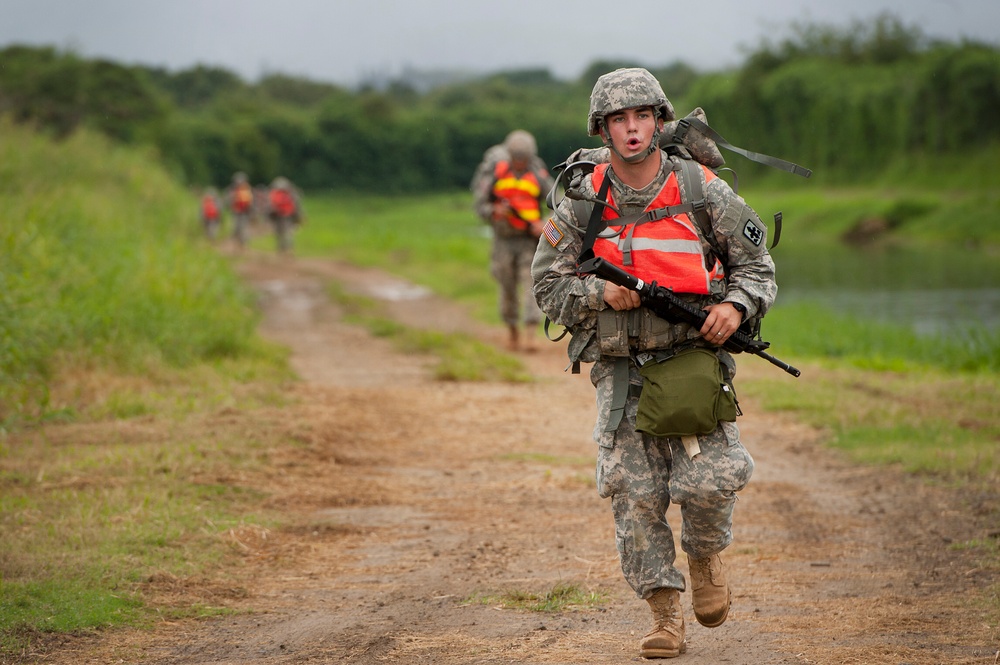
x: 594, y: 223
x: 686, y: 123
x: 619, y: 393
x: 691, y: 190
x: 548, y: 322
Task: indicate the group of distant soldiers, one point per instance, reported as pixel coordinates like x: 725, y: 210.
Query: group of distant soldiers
x: 280, y: 204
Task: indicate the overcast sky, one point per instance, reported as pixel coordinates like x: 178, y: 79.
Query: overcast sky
x: 344, y: 41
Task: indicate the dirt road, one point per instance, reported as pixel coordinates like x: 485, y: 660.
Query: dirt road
x: 409, y: 499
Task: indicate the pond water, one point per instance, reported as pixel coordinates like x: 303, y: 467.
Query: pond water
x: 932, y: 292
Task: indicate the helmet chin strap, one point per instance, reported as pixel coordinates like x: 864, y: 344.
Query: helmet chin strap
x: 654, y: 144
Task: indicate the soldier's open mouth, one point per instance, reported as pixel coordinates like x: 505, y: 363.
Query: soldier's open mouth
x: 633, y: 143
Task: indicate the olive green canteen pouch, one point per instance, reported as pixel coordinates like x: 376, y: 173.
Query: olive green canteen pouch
x: 684, y: 394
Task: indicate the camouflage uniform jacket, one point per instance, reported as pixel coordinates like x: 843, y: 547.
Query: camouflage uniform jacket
x: 574, y: 301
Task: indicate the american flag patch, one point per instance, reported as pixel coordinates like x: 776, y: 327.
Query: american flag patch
x: 552, y: 233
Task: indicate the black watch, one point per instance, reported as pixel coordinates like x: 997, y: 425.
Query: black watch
x: 739, y: 308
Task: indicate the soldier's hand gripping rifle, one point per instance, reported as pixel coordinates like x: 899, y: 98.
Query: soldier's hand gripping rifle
x: 668, y: 306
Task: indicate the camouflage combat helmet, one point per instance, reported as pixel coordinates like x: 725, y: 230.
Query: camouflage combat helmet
x: 622, y: 89
x: 240, y: 177
x: 626, y: 89
x: 281, y: 182
x: 521, y: 144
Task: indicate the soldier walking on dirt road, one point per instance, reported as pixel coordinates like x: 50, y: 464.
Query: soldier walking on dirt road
x: 508, y: 189
x: 284, y: 211
x: 210, y: 213
x: 649, y: 455
x: 239, y: 200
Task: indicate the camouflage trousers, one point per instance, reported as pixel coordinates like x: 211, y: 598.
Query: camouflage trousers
x: 283, y: 228
x: 510, y: 266
x: 643, y: 474
x: 241, y: 227
x: 212, y: 227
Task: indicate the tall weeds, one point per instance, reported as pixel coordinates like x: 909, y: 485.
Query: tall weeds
x: 100, y: 264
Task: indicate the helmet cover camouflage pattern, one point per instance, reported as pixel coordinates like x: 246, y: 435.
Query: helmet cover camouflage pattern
x: 622, y: 89
x: 521, y: 144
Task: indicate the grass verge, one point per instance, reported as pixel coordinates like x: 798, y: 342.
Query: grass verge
x: 562, y: 597
x: 940, y: 425
x: 458, y: 357
x: 98, y: 515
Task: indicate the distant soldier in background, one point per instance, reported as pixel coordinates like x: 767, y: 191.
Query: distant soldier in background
x: 210, y: 212
x: 239, y: 200
x: 508, y: 189
x: 284, y: 210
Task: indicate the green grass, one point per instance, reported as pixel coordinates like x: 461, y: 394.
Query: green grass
x: 562, y: 597
x: 61, y: 606
x: 813, y: 331
x: 101, y: 264
x: 114, y: 312
x: 89, y: 521
x: 938, y: 424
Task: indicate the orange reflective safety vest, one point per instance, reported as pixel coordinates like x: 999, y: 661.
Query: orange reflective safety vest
x: 209, y: 210
x: 660, y: 247
x: 521, y: 192
x: 242, y: 197
x: 282, y: 203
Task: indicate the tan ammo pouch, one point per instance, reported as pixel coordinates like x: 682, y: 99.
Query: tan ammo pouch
x: 684, y: 394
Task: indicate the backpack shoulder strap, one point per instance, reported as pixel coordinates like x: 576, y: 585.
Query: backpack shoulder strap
x: 693, y: 192
x: 594, y: 219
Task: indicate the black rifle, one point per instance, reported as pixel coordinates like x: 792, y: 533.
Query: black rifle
x: 668, y: 306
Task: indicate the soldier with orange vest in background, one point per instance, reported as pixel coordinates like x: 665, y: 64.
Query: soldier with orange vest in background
x: 239, y: 200
x: 284, y: 211
x: 508, y: 188
x: 210, y: 212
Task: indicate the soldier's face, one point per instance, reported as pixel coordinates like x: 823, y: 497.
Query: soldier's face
x: 631, y: 130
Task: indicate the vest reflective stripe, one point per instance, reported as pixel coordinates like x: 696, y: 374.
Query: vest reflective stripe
x: 521, y: 192
x: 668, y: 251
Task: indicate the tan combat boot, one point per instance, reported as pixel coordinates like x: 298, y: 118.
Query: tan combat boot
x: 666, y: 640
x: 710, y: 592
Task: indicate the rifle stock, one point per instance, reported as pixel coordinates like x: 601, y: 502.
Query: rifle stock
x: 668, y: 306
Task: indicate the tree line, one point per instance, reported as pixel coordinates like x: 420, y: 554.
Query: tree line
x: 842, y: 101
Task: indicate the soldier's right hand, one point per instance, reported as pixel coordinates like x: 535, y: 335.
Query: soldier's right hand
x: 620, y: 298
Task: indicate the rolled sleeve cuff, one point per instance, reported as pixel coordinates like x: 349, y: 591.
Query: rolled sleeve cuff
x: 595, y: 293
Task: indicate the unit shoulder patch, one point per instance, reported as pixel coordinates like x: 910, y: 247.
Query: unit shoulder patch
x: 552, y: 232
x: 753, y: 231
